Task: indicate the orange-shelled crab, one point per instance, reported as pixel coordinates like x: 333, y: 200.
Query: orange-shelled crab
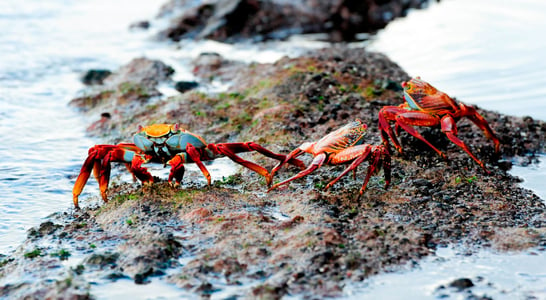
x: 426, y: 106
x: 342, y: 146
x: 166, y: 144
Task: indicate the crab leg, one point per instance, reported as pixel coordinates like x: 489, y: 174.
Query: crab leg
x: 361, y: 152
x: 251, y: 146
x: 122, y: 155
x: 291, y: 156
x: 407, y: 119
x: 318, y: 161
x: 379, y: 158
x: 195, y: 157
x: 93, y: 163
x: 177, y: 169
x: 475, y: 117
x: 450, y: 129
x: 385, y: 114
x: 229, y: 150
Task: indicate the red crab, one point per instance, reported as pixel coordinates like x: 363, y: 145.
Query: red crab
x: 167, y: 144
x: 426, y: 106
x: 343, y: 146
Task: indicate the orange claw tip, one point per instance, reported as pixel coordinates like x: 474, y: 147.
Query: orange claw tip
x: 104, y: 197
x: 75, y: 199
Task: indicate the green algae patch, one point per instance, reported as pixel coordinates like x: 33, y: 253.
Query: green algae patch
x: 4, y: 262
x: 62, y: 254
x: 89, y: 102
x: 33, y: 254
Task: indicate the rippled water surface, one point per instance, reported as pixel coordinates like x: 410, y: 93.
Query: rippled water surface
x: 44, y: 46
x: 489, y: 53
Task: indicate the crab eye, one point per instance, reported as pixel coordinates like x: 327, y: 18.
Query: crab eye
x: 175, y: 128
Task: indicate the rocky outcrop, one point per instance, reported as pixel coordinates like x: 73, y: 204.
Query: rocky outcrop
x: 299, y: 240
x: 253, y: 20
x: 121, y: 92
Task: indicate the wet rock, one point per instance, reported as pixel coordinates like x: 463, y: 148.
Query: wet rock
x: 197, y: 214
x: 122, y: 93
x: 93, y: 77
x: 10, y: 288
x: 46, y: 228
x: 184, y: 86
x: 142, y: 278
x: 140, y: 25
x: 267, y: 291
x: 133, y: 82
x: 211, y: 65
x: 514, y: 239
x: 420, y: 182
x: 261, y: 20
x: 142, y: 70
x: 102, y: 260
x: 206, y: 288
x: 116, y: 276
x: 210, y: 60
x: 461, y: 283
x: 101, y: 125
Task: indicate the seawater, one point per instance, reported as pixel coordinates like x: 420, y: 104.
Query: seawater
x: 488, y: 53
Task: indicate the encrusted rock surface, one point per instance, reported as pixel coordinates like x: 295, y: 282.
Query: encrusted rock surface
x: 297, y: 240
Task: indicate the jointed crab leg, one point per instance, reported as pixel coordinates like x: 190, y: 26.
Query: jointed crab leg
x: 177, y: 169
x: 95, y: 162
x: 192, y: 154
x: 292, y: 155
x: 379, y: 158
x: 196, y: 156
x: 230, y: 150
x: 317, y: 162
x: 405, y: 119
x: 475, y: 117
x: 450, y: 129
x: 385, y: 114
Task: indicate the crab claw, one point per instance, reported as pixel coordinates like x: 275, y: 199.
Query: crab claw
x: 177, y: 170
